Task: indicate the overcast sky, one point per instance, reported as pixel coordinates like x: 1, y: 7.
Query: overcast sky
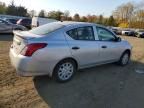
x: 83, y: 7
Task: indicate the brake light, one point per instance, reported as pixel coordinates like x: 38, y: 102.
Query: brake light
x: 31, y: 48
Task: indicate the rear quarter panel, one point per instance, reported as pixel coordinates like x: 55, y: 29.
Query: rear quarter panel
x: 56, y: 50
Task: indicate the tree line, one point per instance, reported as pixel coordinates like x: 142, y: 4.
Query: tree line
x: 12, y: 9
x: 130, y: 15
x: 126, y: 15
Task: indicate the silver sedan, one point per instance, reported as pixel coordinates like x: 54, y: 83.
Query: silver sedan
x: 59, y: 49
x: 7, y: 27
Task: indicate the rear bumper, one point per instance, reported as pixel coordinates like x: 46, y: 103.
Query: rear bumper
x: 27, y: 66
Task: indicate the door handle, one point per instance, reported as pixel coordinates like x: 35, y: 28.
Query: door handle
x: 75, y: 48
x: 104, y: 46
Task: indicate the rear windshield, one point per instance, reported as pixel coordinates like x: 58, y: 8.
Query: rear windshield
x: 47, y: 28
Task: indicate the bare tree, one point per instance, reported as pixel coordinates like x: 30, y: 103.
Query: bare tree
x: 124, y: 12
x: 66, y: 15
x: 32, y: 13
x: 92, y: 18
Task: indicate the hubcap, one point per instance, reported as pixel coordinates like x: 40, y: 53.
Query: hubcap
x: 125, y: 59
x: 65, y: 71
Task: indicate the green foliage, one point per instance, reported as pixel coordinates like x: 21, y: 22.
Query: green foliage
x: 100, y: 20
x: 2, y: 8
x: 42, y: 13
x: 21, y: 11
x: 11, y: 9
x: 111, y: 21
x: 16, y: 10
x: 84, y: 19
x: 76, y: 17
x: 55, y: 15
x: 126, y: 15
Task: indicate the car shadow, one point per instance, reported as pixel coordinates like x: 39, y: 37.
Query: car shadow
x: 98, y: 87
x: 6, y: 37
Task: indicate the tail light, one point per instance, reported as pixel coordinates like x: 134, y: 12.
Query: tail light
x: 31, y: 48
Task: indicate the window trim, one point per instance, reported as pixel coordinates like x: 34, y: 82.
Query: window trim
x: 76, y: 28
x: 106, y: 30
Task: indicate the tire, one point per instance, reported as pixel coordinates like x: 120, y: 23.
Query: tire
x: 124, y: 59
x: 64, y: 70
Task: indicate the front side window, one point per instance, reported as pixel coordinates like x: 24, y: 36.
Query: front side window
x: 82, y: 33
x: 104, y: 34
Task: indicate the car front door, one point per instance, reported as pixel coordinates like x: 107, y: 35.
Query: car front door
x: 83, y: 46
x: 110, y: 49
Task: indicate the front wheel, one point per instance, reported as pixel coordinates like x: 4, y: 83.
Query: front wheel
x: 125, y: 58
x: 64, y: 70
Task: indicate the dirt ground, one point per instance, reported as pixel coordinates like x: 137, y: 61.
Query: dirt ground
x: 15, y: 91
x: 107, y: 86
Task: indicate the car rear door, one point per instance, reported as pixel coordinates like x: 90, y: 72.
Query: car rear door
x: 83, y: 46
x: 110, y: 49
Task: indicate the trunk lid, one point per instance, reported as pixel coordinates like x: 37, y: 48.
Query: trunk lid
x: 20, y: 40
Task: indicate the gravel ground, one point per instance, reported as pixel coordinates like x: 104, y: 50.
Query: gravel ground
x: 107, y: 86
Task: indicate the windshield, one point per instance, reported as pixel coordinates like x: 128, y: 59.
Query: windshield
x: 47, y: 28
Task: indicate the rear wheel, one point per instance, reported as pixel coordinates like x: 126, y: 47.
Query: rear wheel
x: 64, y: 71
x: 125, y: 58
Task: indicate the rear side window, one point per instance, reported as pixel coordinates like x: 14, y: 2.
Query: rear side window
x: 82, y: 33
x: 45, y: 29
x: 73, y: 34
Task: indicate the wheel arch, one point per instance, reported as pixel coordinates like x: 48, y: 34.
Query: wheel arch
x: 67, y: 58
x: 128, y: 51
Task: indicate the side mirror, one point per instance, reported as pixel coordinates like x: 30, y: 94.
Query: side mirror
x: 118, y: 39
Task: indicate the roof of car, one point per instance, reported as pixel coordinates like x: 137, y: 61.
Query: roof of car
x: 67, y: 23
x: 73, y: 23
